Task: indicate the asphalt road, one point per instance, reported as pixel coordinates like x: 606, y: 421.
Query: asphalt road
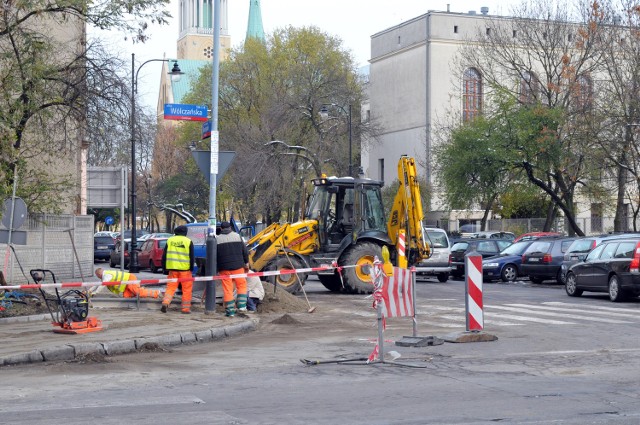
x: 557, y: 360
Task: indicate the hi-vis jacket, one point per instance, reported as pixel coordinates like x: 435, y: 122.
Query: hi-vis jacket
x: 116, y: 276
x: 178, y: 254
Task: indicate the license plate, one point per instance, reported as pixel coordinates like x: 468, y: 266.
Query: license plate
x: 534, y: 260
x: 103, y: 247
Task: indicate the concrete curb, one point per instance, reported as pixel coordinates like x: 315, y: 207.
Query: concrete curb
x: 69, y: 352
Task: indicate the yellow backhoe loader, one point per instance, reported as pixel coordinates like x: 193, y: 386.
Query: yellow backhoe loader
x: 344, y: 224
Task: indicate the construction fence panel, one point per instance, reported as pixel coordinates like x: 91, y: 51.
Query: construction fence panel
x: 60, y: 243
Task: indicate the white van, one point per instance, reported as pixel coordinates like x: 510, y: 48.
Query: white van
x: 438, y: 263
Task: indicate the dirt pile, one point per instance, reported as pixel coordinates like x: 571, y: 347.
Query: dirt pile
x: 21, y: 303
x: 280, y: 301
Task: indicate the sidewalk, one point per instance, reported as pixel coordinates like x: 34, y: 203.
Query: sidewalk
x: 126, y: 329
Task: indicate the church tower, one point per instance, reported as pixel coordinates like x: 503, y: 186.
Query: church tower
x: 254, y: 26
x: 195, y: 39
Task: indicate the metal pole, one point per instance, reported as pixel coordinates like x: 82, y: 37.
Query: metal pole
x: 413, y: 291
x: 123, y: 182
x: 133, y: 256
x: 350, y: 153
x: 211, y: 269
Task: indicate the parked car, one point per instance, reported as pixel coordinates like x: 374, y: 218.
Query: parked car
x: 102, y: 246
x: 127, y: 234
x: 612, y: 267
x: 494, y: 235
x: 150, y: 254
x: 543, y: 259
x: 485, y: 247
x: 506, y: 265
x: 104, y: 233
x: 438, y: 263
x: 114, y: 258
x: 535, y: 235
x: 579, y: 249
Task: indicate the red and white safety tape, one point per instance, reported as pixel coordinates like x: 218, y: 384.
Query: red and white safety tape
x: 156, y: 281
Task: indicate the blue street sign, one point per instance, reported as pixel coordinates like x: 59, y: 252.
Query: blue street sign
x: 108, y: 220
x: 206, y: 129
x: 176, y: 111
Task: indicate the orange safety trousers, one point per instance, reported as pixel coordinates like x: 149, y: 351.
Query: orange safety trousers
x: 135, y: 290
x: 227, y: 284
x: 187, y: 288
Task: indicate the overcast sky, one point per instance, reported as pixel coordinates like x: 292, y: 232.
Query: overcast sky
x: 353, y: 21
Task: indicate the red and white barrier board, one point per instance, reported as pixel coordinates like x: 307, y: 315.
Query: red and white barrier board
x: 473, y: 283
x: 397, y: 293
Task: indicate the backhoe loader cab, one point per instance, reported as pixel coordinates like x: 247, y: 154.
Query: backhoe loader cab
x: 346, y: 209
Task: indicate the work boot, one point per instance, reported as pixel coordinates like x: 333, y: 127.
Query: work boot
x: 242, y: 302
x: 230, y: 308
x: 163, y: 308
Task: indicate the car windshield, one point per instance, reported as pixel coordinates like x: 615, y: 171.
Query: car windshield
x: 538, y: 247
x: 103, y: 240
x: 516, y: 249
x: 581, y: 245
x: 460, y: 246
x: 437, y: 239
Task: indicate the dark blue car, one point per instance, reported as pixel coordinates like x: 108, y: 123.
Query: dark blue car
x: 506, y: 265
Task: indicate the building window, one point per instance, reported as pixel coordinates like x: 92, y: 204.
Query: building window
x: 471, y: 94
x: 583, y: 93
x: 596, y: 217
x: 381, y: 169
x: 488, y: 31
x: 455, y: 29
x: 529, y: 88
x: 515, y: 33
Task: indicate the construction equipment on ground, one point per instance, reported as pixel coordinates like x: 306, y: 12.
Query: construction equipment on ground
x: 345, y: 225
x: 71, y: 308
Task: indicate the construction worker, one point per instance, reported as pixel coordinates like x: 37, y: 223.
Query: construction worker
x: 178, y: 259
x: 232, y: 258
x: 126, y: 290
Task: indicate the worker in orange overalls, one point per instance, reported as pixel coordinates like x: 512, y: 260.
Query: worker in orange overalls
x: 127, y: 290
x: 178, y: 259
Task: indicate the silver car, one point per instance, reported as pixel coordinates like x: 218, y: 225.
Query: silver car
x: 438, y: 263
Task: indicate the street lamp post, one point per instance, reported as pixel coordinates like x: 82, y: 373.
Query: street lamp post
x: 324, y: 111
x: 175, y: 73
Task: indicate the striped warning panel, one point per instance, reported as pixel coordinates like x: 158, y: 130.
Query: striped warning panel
x: 397, y: 294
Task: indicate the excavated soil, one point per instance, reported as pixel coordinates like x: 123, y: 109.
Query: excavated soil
x: 276, y: 300
x: 21, y: 305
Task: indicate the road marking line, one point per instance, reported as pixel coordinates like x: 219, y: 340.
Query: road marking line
x: 595, y: 307
x: 578, y: 310
x: 557, y: 315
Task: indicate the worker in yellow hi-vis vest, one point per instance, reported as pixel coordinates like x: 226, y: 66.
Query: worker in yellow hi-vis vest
x: 126, y: 290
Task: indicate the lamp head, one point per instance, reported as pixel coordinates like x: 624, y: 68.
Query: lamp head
x: 175, y: 72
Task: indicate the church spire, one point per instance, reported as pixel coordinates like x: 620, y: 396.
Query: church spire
x: 254, y: 27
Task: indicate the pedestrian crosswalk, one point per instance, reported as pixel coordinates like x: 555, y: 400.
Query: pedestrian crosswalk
x: 448, y: 315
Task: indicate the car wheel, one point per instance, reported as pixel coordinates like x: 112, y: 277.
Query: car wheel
x: 111, y: 263
x: 509, y: 273
x: 616, y: 293
x: 152, y: 267
x: 571, y: 287
x: 535, y: 279
x: 560, y: 277
x: 443, y: 277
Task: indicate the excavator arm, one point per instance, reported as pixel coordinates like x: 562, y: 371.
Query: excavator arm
x: 406, y: 213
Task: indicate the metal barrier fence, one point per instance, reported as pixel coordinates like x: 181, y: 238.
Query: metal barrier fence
x: 50, y: 245
x: 590, y: 225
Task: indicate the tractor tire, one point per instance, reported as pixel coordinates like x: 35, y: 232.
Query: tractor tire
x: 289, y: 282
x: 331, y: 281
x: 357, y: 280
